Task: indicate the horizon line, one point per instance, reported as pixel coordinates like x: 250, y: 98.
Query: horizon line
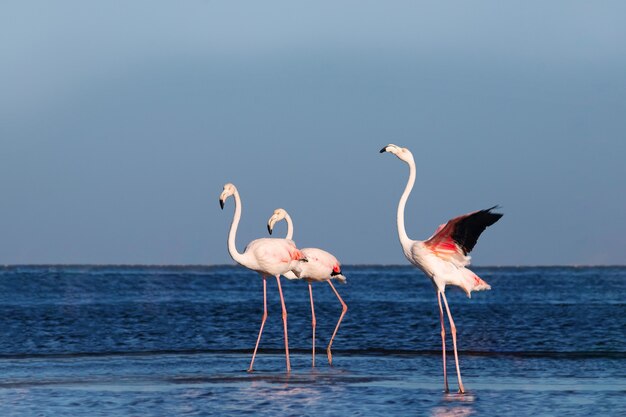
x: 139, y: 265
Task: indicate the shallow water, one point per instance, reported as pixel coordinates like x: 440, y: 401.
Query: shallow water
x: 177, y: 341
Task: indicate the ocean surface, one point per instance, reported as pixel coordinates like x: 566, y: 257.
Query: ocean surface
x: 176, y: 341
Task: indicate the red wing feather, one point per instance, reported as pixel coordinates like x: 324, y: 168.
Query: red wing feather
x: 459, y: 235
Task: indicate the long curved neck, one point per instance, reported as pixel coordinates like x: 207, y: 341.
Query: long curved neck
x: 232, y: 234
x: 289, y: 227
x: 404, y: 238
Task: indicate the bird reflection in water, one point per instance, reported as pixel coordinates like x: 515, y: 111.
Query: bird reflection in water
x: 283, y: 396
x: 454, y: 409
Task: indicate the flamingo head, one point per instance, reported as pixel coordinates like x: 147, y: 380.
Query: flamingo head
x: 229, y: 189
x: 402, y: 153
x: 279, y: 214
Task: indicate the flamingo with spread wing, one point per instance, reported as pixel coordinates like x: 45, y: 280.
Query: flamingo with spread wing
x: 444, y: 256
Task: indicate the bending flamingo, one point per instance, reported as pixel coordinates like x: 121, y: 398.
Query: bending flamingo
x: 265, y: 256
x: 443, y: 256
x: 320, y: 266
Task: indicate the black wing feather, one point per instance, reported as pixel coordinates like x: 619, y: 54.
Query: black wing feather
x: 468, y: 230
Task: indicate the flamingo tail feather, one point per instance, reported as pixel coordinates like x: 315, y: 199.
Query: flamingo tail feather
x: 473, y: 282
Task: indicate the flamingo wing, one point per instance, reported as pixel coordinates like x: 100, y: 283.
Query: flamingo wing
x: 271, y: 252
x: 455, y: 239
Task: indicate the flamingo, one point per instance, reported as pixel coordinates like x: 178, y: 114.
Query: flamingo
x: 443, y: 257
x: 321, y: 266
x: 267, y: 257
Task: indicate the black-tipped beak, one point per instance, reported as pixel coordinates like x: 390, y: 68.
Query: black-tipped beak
x: 383, y: 150
x: 222, y: 204
x: 269, y: 229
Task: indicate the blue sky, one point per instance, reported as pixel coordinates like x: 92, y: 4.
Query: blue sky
x: 121, y: 121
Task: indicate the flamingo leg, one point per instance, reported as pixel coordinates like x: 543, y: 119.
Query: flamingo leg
x: 262, y: 323
x: 443, y: 342
x: 344, y: 308
x: 313, y: 322
x: 282, y: 303
x: 453, y: 331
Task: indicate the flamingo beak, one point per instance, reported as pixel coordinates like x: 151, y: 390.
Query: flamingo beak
x: 393, y: 149
x: 270, y: 223
x: 222, y: 204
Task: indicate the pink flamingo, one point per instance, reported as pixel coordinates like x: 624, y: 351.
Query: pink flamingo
x: 443, y: 256
x: 320, y: 266
x: 265, y: 256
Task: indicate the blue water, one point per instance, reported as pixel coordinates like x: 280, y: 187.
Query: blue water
x: 169, y: 341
